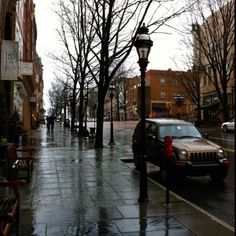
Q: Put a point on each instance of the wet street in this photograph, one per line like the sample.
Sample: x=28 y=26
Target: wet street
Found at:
x=77 y=190
x=218 y=199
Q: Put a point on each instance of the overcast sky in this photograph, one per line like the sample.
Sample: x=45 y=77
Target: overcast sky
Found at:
x=165 y=46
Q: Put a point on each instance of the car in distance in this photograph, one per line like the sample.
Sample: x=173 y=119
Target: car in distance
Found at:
x=106 y=118
x=228 y=126
x=192 y=155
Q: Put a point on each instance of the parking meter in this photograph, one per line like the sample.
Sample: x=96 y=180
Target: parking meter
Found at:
x=168 y=146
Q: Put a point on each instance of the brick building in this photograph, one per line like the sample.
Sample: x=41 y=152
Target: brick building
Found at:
x=214 y=48
x=21 y=82
x=165 y=97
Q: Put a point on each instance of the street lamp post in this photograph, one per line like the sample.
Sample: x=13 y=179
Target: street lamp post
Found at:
x=143 y=44
x=179 y=101
x=111 y=89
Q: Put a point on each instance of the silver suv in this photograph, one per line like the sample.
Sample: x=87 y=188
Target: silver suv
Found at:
x=192 y=154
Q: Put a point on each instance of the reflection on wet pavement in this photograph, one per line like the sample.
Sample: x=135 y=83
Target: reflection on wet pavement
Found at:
x=77 y=190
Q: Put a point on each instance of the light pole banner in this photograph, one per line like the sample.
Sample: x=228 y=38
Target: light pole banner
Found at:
x=9 y=60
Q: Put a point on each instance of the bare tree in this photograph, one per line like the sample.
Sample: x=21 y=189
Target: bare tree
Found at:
x=56 y=99
x=120 y=81
x=94 y=35
x=116 y=24
x=74 y=57
x=213 y=44
x=190 y=79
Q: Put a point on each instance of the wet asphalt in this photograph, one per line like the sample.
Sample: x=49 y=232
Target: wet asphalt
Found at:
x=78 y=190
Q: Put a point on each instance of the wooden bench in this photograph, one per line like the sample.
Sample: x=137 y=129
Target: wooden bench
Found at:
x=18 y=161
x=9 y=205
x=92 y=133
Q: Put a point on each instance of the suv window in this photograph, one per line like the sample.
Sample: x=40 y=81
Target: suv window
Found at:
x=178 y=131
x=151 y=129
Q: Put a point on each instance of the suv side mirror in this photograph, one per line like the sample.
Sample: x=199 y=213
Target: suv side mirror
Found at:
x=205 y=135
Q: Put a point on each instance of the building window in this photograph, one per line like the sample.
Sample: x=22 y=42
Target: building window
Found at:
x=174 y=82
x=163 y=95
x=162 y=82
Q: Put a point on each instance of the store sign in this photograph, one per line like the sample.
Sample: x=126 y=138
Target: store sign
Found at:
x=26 y=68
x=9 y=60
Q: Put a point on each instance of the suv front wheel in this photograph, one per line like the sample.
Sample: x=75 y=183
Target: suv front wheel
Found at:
x=167 y=170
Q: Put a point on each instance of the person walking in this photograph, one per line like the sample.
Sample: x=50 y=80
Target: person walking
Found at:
x=48 y=122
x=52 y=122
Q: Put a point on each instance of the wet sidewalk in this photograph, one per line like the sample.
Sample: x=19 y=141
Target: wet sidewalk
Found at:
x=77 y=190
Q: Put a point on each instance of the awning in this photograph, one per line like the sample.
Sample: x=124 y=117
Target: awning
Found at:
x=208 y=105
x=159 y=106
x=21 y=88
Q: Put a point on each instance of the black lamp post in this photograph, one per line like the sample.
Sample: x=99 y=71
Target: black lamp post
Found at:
x=111 y=89
x=143 y=44
x=179 y=100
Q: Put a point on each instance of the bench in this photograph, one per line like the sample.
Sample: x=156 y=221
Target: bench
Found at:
x=18 y=161
x=9 y=205
x=92 y=133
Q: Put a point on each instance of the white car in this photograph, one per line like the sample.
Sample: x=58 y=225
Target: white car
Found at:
x=228 y=126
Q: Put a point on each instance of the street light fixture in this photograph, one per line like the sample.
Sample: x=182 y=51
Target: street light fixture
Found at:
x=111 y=90
x=179 y=100
x=143 y=44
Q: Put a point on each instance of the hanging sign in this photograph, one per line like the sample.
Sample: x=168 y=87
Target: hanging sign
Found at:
x=9 y=60
x=26 y=68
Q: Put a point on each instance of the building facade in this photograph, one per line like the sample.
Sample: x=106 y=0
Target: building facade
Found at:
x=214 y=54
x=164 y=97
x=21 y=80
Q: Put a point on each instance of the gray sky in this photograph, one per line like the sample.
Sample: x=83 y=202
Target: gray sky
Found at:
x=165 y=46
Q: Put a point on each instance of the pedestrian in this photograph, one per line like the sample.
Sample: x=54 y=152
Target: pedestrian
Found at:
x=48 y=122
x=52 y=122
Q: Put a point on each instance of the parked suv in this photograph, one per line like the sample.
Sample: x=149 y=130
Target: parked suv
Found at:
x=192 y=154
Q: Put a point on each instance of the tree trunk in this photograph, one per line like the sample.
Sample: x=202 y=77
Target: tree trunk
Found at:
x=225 y=108
x=72 y=116
x=100 y=114
x=81 y=114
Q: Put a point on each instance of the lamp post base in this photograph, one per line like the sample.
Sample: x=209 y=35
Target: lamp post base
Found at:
x=112 y=142
x=143 y=185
